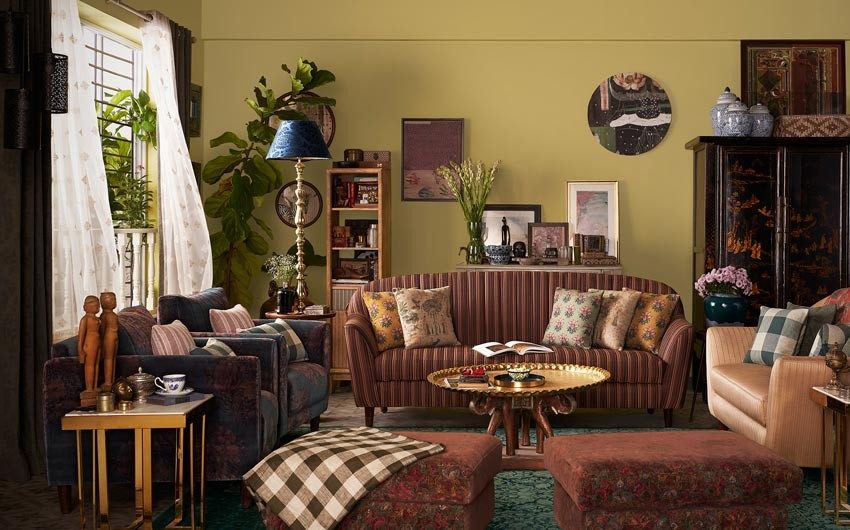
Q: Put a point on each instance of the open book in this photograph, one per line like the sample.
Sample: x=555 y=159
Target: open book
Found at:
x=489 y=349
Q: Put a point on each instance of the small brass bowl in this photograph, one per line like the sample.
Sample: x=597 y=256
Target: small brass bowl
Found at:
x=518 y=373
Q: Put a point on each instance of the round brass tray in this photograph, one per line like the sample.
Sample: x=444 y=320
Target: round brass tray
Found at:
x=531 y=380
x=560 y=378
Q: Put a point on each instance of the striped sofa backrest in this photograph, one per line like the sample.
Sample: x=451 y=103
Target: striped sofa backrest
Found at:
x=507 y=305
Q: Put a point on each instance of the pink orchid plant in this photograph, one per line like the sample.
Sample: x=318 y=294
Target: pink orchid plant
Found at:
x=728 y=280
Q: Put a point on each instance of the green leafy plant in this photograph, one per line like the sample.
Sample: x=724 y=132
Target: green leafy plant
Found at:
x=244 y=177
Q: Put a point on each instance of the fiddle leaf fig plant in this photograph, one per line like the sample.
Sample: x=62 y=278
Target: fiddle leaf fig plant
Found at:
x=245 y=177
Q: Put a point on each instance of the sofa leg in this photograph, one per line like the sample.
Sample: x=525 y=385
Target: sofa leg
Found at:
x=314 y=424
x=64 y=498
x=384 y=410
x=246 y=500
x=668 y=417
x=650 y=411
x=369 y=413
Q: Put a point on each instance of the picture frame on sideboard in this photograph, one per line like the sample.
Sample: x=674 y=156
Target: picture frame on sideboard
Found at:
x=593 y=209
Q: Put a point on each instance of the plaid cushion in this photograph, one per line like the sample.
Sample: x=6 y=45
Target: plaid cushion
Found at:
x=230 y=320
x=828 y=335
x=294 y=348
x=817 y=317
x=779 y=332
x=216 y=348
x=315 y=480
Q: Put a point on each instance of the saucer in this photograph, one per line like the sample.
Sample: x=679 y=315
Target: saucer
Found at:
x=185 y=391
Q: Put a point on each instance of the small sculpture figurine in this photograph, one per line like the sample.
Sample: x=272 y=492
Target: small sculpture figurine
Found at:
x=506 y=232
x=519 y=249
x=88 y=349
x=109 y=336
x=271 y=303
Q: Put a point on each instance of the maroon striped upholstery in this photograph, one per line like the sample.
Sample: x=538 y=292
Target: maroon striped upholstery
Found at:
x=508 y=305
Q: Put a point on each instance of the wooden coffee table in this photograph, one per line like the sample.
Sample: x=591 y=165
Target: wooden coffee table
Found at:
x=504 y=404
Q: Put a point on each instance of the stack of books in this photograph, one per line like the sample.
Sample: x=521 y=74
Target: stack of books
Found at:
x=316 y=310
x=468 y=381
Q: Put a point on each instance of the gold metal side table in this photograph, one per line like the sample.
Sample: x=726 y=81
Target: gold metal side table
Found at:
x=839 y=406
x=142 y=419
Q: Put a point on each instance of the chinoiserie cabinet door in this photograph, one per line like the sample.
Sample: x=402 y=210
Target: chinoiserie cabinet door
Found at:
x=747 y=235
x=813 y=225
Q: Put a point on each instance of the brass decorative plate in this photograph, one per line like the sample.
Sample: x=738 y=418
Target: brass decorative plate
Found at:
x=560 y=378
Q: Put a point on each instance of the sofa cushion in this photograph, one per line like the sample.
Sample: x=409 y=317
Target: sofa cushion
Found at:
x=573 y=316
x=627 y=366
x=383 y=312
x=293 y=347
x=426 y=317
x=230 y=320
x=615 y=315
x=307 y=384
x=826 y=337
x=134 y=331
x=171 y=339
x=650 y=320
x=744 y=386
x=841 y=300
x=779 y=332
x=815 y=320
x=193 y=310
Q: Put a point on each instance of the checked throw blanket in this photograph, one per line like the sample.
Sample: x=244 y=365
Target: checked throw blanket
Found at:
x=312 y=482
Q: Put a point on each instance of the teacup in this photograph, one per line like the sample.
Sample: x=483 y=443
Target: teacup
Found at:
x=171 y=383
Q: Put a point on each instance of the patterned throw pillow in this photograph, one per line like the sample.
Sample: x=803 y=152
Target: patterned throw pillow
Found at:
x=573 y=316
x=294 y=348
x=615 y=315
x=828 y=335
x=778 y=334
x=815 y=320
x=650 y=320
x=230 y=320
x=171 y=339
x=841 y=300
x=383 y=312
x=426 y=317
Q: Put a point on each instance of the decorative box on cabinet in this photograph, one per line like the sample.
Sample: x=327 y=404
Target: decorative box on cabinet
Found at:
x=777 y=207
x=342 y=185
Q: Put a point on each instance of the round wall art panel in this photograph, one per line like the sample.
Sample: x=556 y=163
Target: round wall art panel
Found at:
x=629 y=113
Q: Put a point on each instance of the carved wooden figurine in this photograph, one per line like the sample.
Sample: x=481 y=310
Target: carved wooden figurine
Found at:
x=109 y=336
x=88 y=349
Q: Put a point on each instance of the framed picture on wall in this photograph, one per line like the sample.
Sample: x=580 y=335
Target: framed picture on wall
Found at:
x=517 y=216
x=426 y=144
x=794 y=77
x=547 y=235
x=593 y=209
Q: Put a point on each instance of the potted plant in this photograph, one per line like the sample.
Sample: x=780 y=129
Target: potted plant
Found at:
x=470 y=183
x=724 y=290
x=282 y=268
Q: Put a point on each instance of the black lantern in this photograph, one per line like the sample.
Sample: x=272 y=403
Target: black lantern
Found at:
x=18 y=121
x=54 y=82
x=14 y=41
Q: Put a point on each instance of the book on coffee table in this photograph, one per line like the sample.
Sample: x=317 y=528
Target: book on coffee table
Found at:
x=489 y=349
x=457 y=382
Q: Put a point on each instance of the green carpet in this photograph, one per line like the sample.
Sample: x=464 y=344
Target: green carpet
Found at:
x=523 y=500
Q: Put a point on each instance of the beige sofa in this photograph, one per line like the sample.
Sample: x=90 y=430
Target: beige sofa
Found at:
x=769 y=405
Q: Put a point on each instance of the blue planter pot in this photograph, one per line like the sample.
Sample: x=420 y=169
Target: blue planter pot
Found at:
x=725 y=309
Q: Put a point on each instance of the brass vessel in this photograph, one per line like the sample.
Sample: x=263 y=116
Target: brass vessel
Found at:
x=142 y=384
x=836 y=360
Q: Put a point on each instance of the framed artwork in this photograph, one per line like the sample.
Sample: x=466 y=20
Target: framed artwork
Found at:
x=518 y=217
x=629 y=113
x=353 y=269
x=593 y=209
x=194 y=110
x=426 y=144
x=546 y=235
x=794 y=77
x=285 y=204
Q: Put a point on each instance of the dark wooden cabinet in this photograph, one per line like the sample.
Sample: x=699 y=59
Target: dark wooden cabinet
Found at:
x=777 y=207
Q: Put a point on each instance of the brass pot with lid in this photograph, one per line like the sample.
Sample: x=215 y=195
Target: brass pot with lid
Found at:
x=142 y=384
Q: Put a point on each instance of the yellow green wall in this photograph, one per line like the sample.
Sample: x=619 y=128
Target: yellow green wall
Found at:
x=520 y=74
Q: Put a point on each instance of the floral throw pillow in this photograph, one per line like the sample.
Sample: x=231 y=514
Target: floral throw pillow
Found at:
x=426 y=317
x=615 y=315
x=650 y=320
x=573 y=316
x=383 y=312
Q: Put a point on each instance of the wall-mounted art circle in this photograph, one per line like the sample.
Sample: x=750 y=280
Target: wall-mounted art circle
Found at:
x=285 y=203
x=629 y=113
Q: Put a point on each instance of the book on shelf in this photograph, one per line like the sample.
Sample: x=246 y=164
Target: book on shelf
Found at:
x=346 y=280
x=489 y=349
x=457 y=382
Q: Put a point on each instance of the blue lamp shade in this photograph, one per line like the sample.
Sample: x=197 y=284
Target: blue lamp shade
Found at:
x=298 y=139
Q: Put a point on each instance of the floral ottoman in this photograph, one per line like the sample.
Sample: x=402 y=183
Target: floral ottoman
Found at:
x=691 y=479
x=453 y=489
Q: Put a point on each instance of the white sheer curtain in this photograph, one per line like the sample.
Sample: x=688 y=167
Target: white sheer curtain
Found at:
x=85 y=259
x=187 y=255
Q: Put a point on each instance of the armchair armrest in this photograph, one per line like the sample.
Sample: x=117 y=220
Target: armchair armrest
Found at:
x=727 y=345
x=362 y=349
x=316 y=336
x=266 y=349
x=675 y=350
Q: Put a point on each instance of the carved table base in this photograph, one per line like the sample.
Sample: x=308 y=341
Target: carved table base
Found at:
x=509 y=411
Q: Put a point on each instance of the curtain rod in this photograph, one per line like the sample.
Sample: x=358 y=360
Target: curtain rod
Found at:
x=125 y=7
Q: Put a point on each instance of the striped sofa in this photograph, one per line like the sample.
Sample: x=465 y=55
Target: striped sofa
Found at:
x=513 y=305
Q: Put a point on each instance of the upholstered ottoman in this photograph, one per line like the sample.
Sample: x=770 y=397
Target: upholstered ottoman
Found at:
x=453 y=489
x=692 y=479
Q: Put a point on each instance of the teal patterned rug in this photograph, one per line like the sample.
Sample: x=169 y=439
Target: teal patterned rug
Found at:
x=523 y=500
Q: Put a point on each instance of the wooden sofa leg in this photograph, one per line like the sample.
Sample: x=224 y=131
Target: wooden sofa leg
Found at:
x=384 y=410
x=314 y=424
x=369 y=413
x=668 y=417
x=64 y=498
x=246 y=500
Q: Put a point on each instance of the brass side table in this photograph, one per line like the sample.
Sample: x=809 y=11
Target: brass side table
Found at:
x=839 y=407
x=142 y=419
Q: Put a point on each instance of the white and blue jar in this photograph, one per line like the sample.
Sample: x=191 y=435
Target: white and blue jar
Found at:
x=737 y=120
x=762 y=121
x=718 y=110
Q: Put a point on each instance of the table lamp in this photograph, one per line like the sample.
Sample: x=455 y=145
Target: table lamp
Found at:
x=299 y=140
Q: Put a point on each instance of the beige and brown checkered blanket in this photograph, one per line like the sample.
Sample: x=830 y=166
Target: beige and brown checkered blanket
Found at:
x=312 y=482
